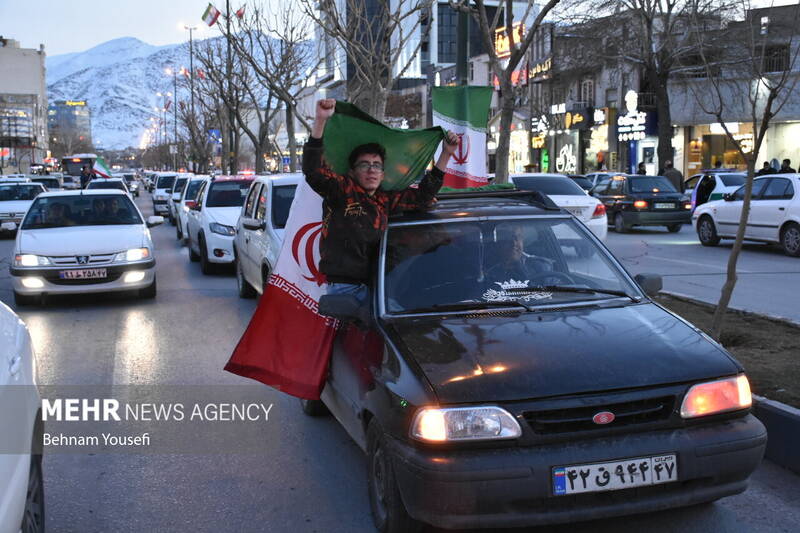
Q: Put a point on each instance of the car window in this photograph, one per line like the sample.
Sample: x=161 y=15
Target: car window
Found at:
x=81 y=210
x=616 y=186
x=691 y=183
x=550 y=185
x=20 y=192
x=102 y=184
x=180 y=183
x=733 y=180
x=192 y=188
x=583 y=183
x=777 y=189
x=601 y=187
x=282 y=197
x=650 y=184
x=227 y=193
x=261 y=205
x=201 y=193
x=249 y=205
x=50 y=183
x=495 y=261
x=758 y=187
x=165 y=182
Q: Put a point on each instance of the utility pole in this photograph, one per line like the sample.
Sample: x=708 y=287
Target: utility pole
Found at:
x=462 y=48
x=231 y=117
x=192 y=123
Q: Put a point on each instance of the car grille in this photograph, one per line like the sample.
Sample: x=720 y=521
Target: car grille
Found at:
x=71 y=260
x=575 y=419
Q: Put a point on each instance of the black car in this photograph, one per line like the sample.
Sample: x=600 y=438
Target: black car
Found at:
x=497 y=378
x=582 y=181
x=634 y=200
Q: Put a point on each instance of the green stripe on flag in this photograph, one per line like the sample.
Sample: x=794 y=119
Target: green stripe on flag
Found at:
x=463 y=105
x=408 y=152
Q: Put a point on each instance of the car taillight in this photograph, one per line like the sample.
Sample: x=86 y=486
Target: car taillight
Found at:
x=599 y=211
x=640 y=204
x=715 y=397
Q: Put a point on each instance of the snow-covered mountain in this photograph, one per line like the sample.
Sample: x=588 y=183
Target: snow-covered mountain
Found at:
x=119 y=79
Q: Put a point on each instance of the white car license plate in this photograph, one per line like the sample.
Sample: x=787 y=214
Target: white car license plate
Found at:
x=615 y=475
x=665 y=206
x=88 y=273
x=576 y=211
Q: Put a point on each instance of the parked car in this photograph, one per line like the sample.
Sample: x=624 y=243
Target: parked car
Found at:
x=634 y=200
x=51 y=183
x=597 y=177
x=21 y=482
x=15 y=199
x=83 y=242
x=774 y=214
x=711 y=186
x=108 y=183
x=162 y=191
x=211 y=223
x=259 y=230
x=567 y=195
x=188 y=197
x=175 y=197
x=483 y=400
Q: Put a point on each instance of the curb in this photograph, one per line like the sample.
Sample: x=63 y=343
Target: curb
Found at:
x=782 y=421
x=783 y=427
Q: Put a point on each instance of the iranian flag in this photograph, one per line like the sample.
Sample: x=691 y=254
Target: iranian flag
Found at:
x=100 y=168
x=211 y=15
x=465 y=112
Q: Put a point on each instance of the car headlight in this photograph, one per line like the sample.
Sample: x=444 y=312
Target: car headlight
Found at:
x=222 y=229
x=134 y=254
x=30 y=260
x=464 y=424
x=714 y=397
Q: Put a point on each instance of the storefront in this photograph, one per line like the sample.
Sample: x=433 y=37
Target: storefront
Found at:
x=597 y=149
x=637 y=137
x=707 y=144
x=518 y=152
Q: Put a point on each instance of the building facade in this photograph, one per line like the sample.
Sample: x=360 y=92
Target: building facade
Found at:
x=23 y=107
x=69 y=124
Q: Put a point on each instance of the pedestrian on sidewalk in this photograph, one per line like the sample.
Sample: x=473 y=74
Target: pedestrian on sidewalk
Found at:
x=641 y=170
x=786 y=167
x=674 y=176
x=765 y=170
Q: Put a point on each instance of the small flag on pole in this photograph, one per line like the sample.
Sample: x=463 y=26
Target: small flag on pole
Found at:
x=184 y=71
x=211 y=15
x=101 y=169
x=166 y=106
x=201 y=74
x=240 y=12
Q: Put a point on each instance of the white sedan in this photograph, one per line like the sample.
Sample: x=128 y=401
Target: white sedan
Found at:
x=21 y=483
x=567 y=195
x=15 y=199
x=774 y=214
x=83 y=242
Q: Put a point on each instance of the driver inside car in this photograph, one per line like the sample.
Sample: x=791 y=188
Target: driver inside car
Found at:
x=512 y=262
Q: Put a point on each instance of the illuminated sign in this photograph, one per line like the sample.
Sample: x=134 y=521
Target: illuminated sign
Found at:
x=600 y=116
x=541 y=69
x=576 y=120
x=502 y=44
x=558 y=109
x=538 y=141
x=72 y=103
x=745 y=141
x=636 y=124
x=567 y=162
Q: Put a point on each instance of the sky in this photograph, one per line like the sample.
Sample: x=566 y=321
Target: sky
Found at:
x=65 y=26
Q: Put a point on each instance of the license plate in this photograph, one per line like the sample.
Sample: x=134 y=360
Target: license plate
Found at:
x=615 y=475
x=665 y=206
x=88 y=273
x=576 y=211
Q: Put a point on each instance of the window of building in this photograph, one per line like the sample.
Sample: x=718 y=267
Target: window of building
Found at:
x=776 y=58
x=587 y=92
x=447 y=26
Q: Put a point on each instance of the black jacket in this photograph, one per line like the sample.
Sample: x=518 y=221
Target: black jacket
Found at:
x=352 y=220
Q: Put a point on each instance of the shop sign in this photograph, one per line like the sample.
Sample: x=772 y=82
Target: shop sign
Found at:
x=75 y=103
x=502 y=45
x=540 y=124
x=541 y=69
x=558 y=109
x=578 y=119
x=745 y=141
x=567 y=162
x=600 y=116
x=538 y=141
x=635 y=125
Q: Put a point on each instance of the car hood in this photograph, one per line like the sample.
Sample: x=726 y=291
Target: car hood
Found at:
x=223 y=215
x=83 y=240
x=482 y=358
x=15 y=206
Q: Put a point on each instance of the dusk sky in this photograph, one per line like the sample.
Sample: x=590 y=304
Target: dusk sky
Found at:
x=76 y=25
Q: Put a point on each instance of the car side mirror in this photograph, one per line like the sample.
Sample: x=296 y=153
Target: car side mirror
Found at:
x=344 y=307
x=728 y=197
x=651 y=284
x=154 y=220
x=253 y=224
x=8 y=226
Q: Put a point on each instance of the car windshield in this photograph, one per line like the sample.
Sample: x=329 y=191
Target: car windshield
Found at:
x=180 y=183
x=583 y=183
x=81 y=210
x=192 y=188
x=103 y=184
x=282 y=197
x=535 y=262
x=129 y=178
x=9 y=193
x=733 y=180
x=549 y=185
x=165 y=182
x=50 y=183
x=650 y=184
x=227 y=193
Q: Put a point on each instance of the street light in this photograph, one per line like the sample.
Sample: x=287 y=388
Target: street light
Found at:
x=191 y=81
x=172 y=72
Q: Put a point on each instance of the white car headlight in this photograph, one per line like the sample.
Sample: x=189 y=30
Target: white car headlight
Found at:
x=134 y=254
x=464 y=424
x=30 y=260
x=222 y=229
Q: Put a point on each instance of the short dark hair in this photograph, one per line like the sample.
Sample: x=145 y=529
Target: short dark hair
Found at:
x=787 y=161
x=369 y=148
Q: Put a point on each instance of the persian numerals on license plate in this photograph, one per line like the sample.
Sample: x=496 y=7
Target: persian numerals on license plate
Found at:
x=665 y=206
x=615 y=475
x=88 y=273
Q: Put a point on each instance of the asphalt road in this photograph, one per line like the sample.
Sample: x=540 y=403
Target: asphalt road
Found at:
x=766 y=276
x=309 y=476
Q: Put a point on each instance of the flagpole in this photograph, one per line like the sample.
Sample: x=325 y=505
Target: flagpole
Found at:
x=191 y=88
x=231 y=118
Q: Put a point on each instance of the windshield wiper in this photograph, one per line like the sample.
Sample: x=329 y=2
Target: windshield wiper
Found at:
x=467 y=306
x=580 y=290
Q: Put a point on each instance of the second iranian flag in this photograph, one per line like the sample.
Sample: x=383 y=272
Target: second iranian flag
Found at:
x=464 y=111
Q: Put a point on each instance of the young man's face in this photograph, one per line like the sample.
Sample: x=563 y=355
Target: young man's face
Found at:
x=366 y=173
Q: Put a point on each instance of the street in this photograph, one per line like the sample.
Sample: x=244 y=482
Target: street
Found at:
x=310 y=476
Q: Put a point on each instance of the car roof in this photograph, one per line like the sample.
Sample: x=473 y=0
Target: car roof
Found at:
x=107 y=179
x=84 y=192
x=537 y=175
x=292 y=178
x=234 y=178
x=479 y=206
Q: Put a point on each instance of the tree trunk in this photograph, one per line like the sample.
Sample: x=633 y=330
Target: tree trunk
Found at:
x=504 y=136
x=290 y=134
x=730 y=280
x=665 y=151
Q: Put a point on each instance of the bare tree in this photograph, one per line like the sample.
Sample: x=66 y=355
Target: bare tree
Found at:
x=381 y=41
x=751 y=74
x=503 y=68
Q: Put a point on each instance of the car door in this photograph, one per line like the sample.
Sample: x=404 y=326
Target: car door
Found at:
x=727 y=212
x=613 y=195
x=769 y=211
x=246 y=236
x=193 y=220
